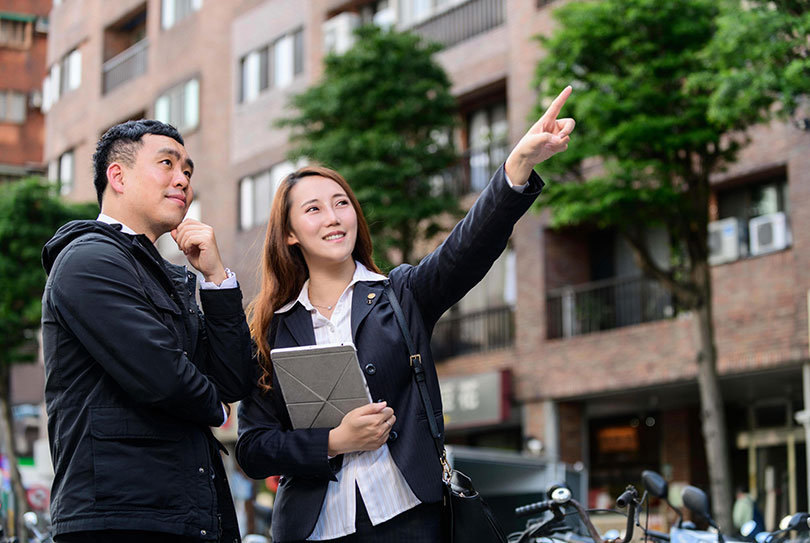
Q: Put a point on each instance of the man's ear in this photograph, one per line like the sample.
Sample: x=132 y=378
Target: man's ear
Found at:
x=115 y=177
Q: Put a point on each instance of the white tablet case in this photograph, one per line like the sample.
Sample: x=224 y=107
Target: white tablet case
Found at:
x=320 y=383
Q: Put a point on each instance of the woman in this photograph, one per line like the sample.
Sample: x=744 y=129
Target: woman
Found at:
x=376 y=476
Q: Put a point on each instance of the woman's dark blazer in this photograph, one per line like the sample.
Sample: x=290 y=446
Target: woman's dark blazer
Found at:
x=267 y=444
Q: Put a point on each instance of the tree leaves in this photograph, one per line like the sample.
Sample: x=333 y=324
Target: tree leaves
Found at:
x=29 y=215
x=759 y=56
x=372 y=118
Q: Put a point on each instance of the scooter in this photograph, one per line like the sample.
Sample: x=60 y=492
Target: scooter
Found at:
x=799 y=522
x=554 y=526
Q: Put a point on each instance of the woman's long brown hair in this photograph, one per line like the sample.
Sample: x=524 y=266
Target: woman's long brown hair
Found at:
x=284 y=269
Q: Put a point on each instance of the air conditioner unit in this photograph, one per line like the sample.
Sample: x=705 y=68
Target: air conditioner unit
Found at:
x=338 y=31
x=768 y=233
x=724 y=241
x=35 y=99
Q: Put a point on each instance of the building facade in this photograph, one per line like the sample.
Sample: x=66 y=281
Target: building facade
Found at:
x=23 y=42
x=564 y=351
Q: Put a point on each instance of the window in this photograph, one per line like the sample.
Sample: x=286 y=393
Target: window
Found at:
x=13 y=107
x=16 y=30
x=283 y=62
x=62 y=172
x=765 y=197
x=415 y=11
x=484 y=319
x=487 y=142
x=255 y=73
x=256 y=194
x=275 y=65
x=174 y=11
x=380 y=13
x=71 y=71
x=180 y=106
x=64 y=76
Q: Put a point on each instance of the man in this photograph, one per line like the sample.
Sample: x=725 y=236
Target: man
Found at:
x=135 y=374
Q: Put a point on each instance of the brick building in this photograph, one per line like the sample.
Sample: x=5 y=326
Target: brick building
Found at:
x=563 y=350
x=23 y=42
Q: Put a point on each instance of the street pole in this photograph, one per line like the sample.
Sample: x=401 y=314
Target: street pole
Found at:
x=803 y=416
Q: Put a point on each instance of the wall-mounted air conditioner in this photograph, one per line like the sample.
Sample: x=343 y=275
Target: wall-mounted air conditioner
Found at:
x=338 y=31
x=724 y=241
x=768 y=233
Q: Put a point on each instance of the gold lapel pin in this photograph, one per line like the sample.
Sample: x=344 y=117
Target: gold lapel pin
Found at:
x=370 y=297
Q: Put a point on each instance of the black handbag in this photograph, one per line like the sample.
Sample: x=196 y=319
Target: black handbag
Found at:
x=466 y=516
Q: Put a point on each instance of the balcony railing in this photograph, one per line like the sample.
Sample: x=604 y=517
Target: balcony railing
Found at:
x=608 y=304
x=481 y=331
x=124 y=66
x=474 y=169
x=461 y=22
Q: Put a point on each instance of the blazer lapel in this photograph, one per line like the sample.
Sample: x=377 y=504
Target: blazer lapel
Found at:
x=366 y=296
x=299 y=322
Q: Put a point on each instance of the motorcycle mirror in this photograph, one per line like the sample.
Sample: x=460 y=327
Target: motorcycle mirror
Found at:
x=762 y=537
x=655 y=484
x=30 y=519
x=748 y=528
x=696 y=501
x=798 y=522
x=613 y=533
x=561 y=495
x=553 y=487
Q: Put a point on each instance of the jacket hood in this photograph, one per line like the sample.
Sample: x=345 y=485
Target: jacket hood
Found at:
x=69 y=232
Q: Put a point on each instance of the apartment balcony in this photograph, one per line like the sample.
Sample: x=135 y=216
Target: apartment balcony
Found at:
x=461 y=22
x=605 y=305
x=124 y=66
x=474 y=169
x=481 y=331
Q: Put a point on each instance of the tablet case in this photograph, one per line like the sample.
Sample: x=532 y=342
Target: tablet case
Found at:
x=319 y=383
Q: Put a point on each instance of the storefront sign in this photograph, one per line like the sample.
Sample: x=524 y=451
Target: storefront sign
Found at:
x=475 y=400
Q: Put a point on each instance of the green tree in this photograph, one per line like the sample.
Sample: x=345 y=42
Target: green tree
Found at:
x=649 y=147
x=29 y=215
x=760 y=57
x=381 y=116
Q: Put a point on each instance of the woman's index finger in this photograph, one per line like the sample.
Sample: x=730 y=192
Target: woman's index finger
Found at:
x=556 y=106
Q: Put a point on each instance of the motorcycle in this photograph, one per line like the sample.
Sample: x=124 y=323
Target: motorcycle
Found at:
x=553 y=524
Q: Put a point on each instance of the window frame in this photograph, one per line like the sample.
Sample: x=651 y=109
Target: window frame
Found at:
x=173 y=12
x=172 y=105
x=262 y=69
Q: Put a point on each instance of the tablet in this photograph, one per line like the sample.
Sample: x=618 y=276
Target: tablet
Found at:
x=319 y=383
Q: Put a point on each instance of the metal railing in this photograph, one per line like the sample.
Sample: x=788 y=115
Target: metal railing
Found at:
x=461 y=22
x=480 y=331
x=607 y=304
x=474 y=169
x=124 y=66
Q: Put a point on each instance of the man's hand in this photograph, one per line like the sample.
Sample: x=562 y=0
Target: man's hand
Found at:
x=198 y=243
x=365 y=428
x=545 y=139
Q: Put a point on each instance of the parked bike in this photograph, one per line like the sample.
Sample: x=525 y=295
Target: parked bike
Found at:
x=36 y=532
x=553 y=524
x=799 y=522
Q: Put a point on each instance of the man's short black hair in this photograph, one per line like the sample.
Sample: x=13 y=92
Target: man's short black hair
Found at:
x=121 y=143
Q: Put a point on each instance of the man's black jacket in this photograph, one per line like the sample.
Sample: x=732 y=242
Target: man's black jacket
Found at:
x=134 y=378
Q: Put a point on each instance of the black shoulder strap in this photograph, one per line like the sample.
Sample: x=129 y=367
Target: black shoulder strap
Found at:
x=418 y=370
